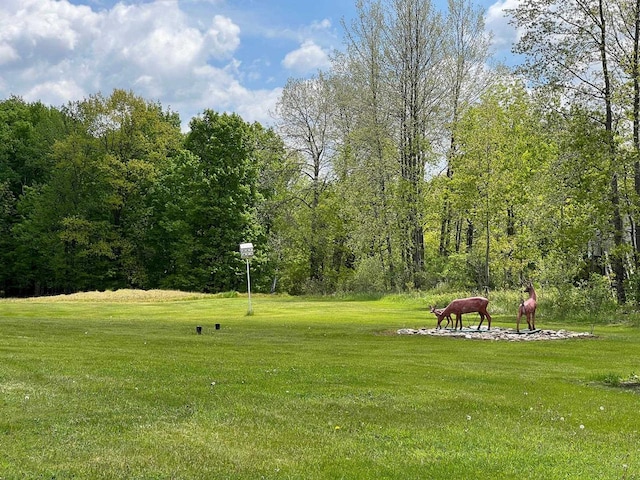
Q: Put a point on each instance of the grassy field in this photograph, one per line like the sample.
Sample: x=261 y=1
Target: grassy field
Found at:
x=119 y=385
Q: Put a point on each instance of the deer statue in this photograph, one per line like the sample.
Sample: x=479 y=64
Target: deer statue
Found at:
x=464 y=305
x=438 y=312
x=528 y=308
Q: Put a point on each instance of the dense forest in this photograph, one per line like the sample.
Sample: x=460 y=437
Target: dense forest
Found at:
x=414 y=162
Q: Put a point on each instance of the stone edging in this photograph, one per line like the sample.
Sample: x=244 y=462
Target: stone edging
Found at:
x=497 y=333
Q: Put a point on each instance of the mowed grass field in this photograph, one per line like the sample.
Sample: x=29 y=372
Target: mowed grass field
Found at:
x=119 y=385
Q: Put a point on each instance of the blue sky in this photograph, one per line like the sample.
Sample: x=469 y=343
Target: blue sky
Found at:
x=227 y=55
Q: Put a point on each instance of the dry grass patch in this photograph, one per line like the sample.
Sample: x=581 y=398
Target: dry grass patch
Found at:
x=122 y=296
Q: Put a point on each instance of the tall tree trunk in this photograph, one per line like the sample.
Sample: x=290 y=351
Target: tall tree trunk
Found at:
x=487 y=219
x=617 y=261
x=470 y=234
x=467 y=47
x=445 y=225
x=414 y=62
x=635 y=74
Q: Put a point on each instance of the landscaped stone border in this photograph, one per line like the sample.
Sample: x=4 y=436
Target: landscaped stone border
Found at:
x=497 y=333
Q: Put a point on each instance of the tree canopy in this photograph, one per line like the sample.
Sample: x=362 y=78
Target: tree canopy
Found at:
x=412 y=162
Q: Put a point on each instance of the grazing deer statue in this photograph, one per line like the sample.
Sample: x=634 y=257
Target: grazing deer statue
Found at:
x=528 y=308
x=438 y=312
x=464 y=305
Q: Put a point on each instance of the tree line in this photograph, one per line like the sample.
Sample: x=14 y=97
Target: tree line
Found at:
x=108 y=193
x=450 y=171
x=411 y=163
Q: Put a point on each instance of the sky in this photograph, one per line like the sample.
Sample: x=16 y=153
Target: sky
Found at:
x=189 y=55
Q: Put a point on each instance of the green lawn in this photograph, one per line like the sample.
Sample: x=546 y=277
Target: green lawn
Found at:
x=102 y=387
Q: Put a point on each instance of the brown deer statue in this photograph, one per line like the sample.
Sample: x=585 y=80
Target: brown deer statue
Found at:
x=528 y=308
x=464 y=305
x=438 y=312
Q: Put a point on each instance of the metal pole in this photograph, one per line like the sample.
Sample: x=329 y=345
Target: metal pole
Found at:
x=250 y=312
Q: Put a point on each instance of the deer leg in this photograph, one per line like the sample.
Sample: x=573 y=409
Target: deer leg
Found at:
x=482 y=317
x=533 y=320
x=458 y=319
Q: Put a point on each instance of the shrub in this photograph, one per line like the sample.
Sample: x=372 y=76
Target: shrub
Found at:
x=586 y=300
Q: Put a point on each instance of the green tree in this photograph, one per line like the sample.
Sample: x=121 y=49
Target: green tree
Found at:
x=577 y=222
x=65 y=226
x=408 y=74
x=496 y=187
x=85 y=228
x=277 y=171
x=367 y=168
x=414 y=58
x=211 y=196
x=466 y=75
x=306 y=122
x=27 y=134
x=568 y=47
x=394 y=67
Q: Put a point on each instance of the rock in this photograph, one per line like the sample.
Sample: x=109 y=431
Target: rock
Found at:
x=497 y=333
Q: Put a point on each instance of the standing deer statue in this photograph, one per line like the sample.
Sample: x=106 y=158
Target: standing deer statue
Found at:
x=464 y=305
x=528 y=308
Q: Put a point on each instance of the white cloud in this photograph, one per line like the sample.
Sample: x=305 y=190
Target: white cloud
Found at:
x=7 y=54
x=308 y=58
x=220 y=90
x=43 y=30
x=321 y=25
x=157 y=39
x=54 y=51
x=55 y=92
x=223 y=36
x=260 y=104
x=497 y=21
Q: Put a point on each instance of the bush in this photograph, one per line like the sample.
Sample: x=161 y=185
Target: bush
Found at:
x=586 y=300
x=369 y=277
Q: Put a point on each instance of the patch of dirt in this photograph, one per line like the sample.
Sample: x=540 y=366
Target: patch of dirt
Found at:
x=635 y=386
x=631 y=383
x=497 y=333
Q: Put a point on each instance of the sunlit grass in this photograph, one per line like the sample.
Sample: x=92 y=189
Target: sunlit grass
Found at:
x=100 y=387
x=120 y=296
